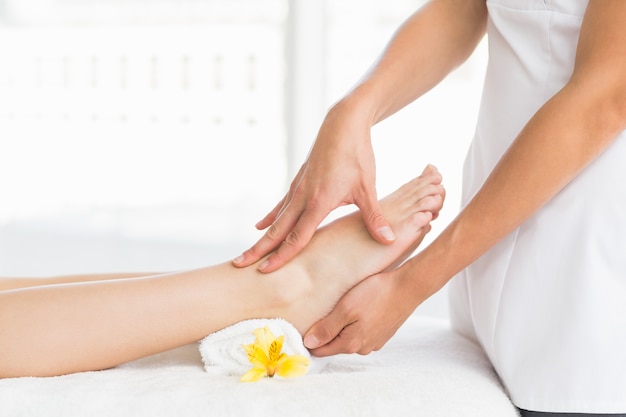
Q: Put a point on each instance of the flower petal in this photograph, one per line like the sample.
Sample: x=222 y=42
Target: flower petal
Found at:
x=264 y=338
x=253 y=374
x=249 y=349
x=257 y=356
x=273 y=353
x=291 y=366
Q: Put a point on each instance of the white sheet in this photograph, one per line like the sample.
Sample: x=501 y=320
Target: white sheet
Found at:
x=425 y=370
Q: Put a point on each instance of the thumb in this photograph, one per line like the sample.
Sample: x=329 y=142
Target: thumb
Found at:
x=325 y=330
x=375 y=221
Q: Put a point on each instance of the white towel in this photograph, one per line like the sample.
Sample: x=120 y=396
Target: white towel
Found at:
x=223 y=354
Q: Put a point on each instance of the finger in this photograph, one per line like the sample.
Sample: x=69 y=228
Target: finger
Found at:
x=275 y=213
x=272 y=238
x=271 y=216
x=345 y=342
x=295 y=240
x=326 y=329
x=375 y=221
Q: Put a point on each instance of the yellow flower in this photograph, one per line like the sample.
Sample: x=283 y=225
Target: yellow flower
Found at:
x=267 y=359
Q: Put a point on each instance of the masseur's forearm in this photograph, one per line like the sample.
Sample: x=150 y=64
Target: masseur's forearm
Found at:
x=553 y=148
x=562 y=138
x=430 y=44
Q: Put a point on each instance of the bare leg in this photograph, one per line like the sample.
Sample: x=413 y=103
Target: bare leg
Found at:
x=22 y=282
x=64 y=328
x=342 y=254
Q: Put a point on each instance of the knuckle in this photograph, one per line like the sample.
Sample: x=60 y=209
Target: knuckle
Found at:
x=273 y=232
x=365 y=351
x=315 y=203
x=350 y=309
x=325 y=334
x=375 y=216
x=352 y=343
x=299 y=192
x=353 y=346
x=294 y=240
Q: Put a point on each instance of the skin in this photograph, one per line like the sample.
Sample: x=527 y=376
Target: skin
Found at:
x=340 y=167
x=77 y=323
x=584 y=117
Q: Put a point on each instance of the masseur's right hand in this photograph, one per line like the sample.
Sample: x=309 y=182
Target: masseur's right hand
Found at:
x=339 y=170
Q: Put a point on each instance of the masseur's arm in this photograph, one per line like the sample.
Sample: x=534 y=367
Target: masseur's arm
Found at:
x=340 y=167
x=562 y=138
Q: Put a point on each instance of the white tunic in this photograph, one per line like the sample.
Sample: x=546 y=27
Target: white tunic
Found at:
x=548 y=303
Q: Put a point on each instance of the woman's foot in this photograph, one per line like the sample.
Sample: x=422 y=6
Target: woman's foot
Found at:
x=342 y=254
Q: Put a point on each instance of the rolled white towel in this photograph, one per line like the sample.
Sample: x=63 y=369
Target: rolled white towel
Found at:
x=222 y=352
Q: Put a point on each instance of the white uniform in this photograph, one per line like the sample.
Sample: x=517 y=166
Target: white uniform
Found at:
x=548 y=303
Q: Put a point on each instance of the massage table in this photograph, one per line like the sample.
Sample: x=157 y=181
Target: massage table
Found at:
x=424 y=370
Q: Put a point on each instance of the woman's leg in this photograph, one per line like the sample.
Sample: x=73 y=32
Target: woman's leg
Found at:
x=22 y=282
x=64 y=328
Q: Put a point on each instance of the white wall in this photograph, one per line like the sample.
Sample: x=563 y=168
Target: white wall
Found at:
x=152 y=135
x=141 y=122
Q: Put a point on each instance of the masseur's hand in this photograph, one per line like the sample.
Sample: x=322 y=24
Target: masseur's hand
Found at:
x=338 y=171
x=365 y=318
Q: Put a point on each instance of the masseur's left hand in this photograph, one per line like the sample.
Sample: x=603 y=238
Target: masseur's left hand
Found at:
x=365 y=318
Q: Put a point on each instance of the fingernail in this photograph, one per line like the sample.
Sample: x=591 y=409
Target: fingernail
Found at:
x=264 y=265
x=387 y=233
x=311 y=341
x=238 y=259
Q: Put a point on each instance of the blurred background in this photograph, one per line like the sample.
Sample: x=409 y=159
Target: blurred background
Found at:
x=151 y=135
